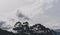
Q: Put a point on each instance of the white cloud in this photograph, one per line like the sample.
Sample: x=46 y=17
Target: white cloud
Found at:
x=37 y=10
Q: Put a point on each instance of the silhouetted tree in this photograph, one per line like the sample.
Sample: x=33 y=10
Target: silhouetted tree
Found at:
x=26 y=28
x=18 y=27
x=36 y=29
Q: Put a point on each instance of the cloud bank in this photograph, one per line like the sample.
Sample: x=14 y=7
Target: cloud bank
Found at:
x=45 y=12
x=41 y=11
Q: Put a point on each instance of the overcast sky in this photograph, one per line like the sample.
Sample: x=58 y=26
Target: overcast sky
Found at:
x=46 y=12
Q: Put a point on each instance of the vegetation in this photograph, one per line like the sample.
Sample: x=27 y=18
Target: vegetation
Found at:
x=25 y=29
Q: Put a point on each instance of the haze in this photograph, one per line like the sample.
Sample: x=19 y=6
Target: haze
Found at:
x=45 y=12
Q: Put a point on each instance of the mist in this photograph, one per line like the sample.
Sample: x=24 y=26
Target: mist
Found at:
x=34 y=11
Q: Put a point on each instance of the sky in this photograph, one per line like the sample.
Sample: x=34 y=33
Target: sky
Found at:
x=45 y=12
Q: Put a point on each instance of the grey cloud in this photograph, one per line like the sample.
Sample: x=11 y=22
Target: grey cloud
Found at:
x=1 y=23
x=45 y=18
x=20 y=15
x=7 y=27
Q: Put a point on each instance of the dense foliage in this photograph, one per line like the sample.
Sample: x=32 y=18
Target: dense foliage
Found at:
x=25 y=29
x=37 y=29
